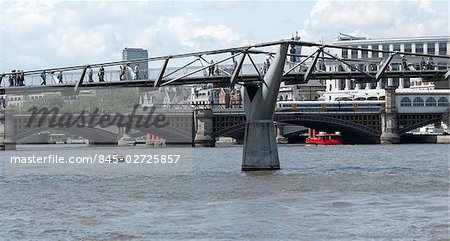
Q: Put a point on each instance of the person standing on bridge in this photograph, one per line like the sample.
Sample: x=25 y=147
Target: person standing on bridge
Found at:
x=422 y=64
x=101 y=74
x=211 y=68
x=21 y=78
x=266 y=66
x=404 y=63
x=10 y=79
x=60 y=77
x=122 y=72
x=136 y=72
x=15 y=77
x=430 y=63
x=44 y=78
x=90 y=75
x=216 y=69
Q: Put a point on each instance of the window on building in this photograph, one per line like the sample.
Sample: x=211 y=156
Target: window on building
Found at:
x=442 y=65
x=418 y=102
x=443 y=101
x=354 y=53
x=407 y=48
x=345 y=54
x=406 y=83
x=342 y=84
x=430 y=101
x=385 y=48
x=375 y=54
x=442 y=48
x=364 y=53
x=397 y=47
x=396 y=66
x=405 y=101
x=384 y=83
x=430 y=48
x=419 y=48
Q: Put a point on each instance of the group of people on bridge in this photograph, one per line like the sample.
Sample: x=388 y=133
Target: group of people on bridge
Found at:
x=16 y=78
x=427 y=65
x=59 y=77
x=100 y=74
x=126 y=70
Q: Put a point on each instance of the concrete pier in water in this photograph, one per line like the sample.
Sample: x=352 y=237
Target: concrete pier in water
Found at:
x=260 y=147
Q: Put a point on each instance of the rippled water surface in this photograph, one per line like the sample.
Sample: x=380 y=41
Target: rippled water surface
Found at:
x=368 y=192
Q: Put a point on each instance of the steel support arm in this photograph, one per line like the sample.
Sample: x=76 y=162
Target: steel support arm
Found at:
x=80 y=81
x=161 y=73
x=313 y=64
x=384 y=66
x=238 y=68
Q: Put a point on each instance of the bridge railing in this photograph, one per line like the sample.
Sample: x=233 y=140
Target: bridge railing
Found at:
x=113 y=74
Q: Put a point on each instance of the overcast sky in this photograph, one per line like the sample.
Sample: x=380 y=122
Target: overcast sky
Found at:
x=46 y=34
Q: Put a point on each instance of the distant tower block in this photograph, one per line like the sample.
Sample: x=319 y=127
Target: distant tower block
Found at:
x=137 y=53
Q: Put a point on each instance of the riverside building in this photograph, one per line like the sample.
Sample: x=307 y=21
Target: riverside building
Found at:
x=369 y=60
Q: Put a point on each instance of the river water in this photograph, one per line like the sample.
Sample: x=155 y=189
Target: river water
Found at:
x=351 y=192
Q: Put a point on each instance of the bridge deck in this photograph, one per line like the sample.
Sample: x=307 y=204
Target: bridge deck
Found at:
x=224 y=80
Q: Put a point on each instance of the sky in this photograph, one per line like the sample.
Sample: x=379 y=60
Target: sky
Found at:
x=47 y=34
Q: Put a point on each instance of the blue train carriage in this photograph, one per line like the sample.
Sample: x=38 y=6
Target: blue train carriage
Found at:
x=317 y=106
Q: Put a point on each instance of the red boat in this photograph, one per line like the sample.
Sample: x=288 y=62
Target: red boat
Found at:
x=323 y=138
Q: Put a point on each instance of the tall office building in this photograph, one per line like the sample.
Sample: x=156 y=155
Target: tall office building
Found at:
x=349 y=90
x=137 y=53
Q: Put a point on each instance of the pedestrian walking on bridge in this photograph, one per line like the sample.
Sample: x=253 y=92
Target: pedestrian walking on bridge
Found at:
x=44 y=78
x=101 y=74
x=60 y=77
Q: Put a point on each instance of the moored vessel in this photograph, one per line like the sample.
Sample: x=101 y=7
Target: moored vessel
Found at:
x=323 y=138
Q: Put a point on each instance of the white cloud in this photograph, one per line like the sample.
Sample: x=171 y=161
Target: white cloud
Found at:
x=375 y=19
x=66 y=33
x=187 y=33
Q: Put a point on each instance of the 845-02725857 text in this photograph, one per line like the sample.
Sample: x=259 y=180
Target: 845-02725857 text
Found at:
x=141 y=159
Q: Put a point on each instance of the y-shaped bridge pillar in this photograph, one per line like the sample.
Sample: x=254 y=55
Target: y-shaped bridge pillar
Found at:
x=260 y=147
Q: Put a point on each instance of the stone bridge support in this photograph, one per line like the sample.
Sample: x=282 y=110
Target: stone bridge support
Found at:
x=281 y=139
x=6 y=133
x=260 y=147
x=389 y=129
x=204 y=132
x=123 y=137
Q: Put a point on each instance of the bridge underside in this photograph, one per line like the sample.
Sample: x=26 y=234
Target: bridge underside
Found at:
x=354 y=129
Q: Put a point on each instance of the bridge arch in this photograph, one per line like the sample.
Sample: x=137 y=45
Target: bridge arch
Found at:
x=169 y=133
x=329 y=124
x=96 y=134
x=310 y=121
x=421 y=124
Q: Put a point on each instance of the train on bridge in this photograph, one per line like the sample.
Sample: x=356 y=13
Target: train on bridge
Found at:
x=320 y=106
